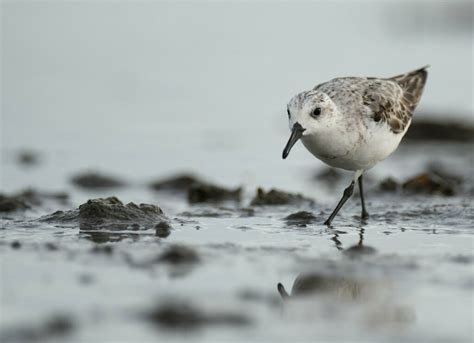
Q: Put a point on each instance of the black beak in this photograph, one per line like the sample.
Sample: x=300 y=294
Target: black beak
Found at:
x=296 y=133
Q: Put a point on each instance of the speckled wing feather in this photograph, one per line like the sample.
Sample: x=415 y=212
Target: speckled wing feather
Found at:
x=390 y=101
x=393 y=100
x=384 y=98
x=412 y=84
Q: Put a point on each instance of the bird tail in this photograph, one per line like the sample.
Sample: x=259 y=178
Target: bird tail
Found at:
x=412 y=84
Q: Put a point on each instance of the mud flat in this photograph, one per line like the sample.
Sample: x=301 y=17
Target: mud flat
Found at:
x=201 y=261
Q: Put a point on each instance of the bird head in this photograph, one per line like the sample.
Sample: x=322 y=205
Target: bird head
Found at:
x=309 y=113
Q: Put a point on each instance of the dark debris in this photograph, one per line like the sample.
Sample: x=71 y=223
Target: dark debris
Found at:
x=179 y=254
x=178 y=183
x=208 y=193
x=162 y=229
x=301 y=218
x=95 y=180
x=277 y=197
x=178 y=316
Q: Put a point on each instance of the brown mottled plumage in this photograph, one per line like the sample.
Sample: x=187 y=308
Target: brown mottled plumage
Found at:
x=389 y=101
x=395 y=104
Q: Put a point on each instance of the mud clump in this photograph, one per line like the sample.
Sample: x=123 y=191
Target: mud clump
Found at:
x=27 y=158
x=54 y=328
x=441 y=172
x=15 y=245
x=93 y=180
x=36 y=198
x=162 y=229
x=429 y=183
x=277 y=197
x=435 y=180
x=109 y=213
x=11 y=203
x=61 y=217
x=208 y=193
x=179 y=183
x=178 y=255
x=389 y=184
x=112 y=212
x=431 y=130
x=198 y=191
x=178 y=316
x=28 y=199
x=301 y=218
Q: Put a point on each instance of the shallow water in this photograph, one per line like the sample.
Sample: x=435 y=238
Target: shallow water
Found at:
x=140 y=109
x=394 y=277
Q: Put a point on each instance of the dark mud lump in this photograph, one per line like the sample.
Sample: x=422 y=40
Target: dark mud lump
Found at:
x=109 y=213
x=429 y=183
x=276 y=197
x=203 y=192
x=301 y=218
x=93 y=180
x=180 y=182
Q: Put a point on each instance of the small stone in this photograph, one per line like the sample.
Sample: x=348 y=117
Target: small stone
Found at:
x=162 y=229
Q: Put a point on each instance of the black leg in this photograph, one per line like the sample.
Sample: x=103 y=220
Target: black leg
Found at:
x=347 y=194
x=365 y=215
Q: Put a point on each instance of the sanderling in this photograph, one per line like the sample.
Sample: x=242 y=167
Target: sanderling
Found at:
x=354 y=122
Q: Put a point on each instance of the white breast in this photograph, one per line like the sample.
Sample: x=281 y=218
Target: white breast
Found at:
x=362 y=147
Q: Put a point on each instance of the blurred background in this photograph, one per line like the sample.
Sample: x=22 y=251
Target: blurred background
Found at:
x=142 y=90
x=149 y=88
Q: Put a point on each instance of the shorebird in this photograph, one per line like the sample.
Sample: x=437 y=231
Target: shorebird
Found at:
x=353 y=123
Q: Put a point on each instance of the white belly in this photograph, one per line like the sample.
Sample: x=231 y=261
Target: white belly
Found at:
x=361 y=149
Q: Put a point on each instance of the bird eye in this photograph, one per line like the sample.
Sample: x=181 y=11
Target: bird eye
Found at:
x=316 y=112
x=288 y=111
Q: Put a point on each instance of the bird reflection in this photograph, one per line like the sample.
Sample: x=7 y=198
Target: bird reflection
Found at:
x=342 y=289
x=355 y=250
x=316 y=283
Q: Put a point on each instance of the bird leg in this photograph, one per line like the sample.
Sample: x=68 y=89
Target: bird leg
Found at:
x=346 y=195
x=364 y=215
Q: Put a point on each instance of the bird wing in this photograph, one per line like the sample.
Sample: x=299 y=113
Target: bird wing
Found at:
x=390 y=101
x=393 y=100
x=386 y=103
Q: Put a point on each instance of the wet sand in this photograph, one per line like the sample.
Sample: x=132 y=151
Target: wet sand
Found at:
x=244 y=262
